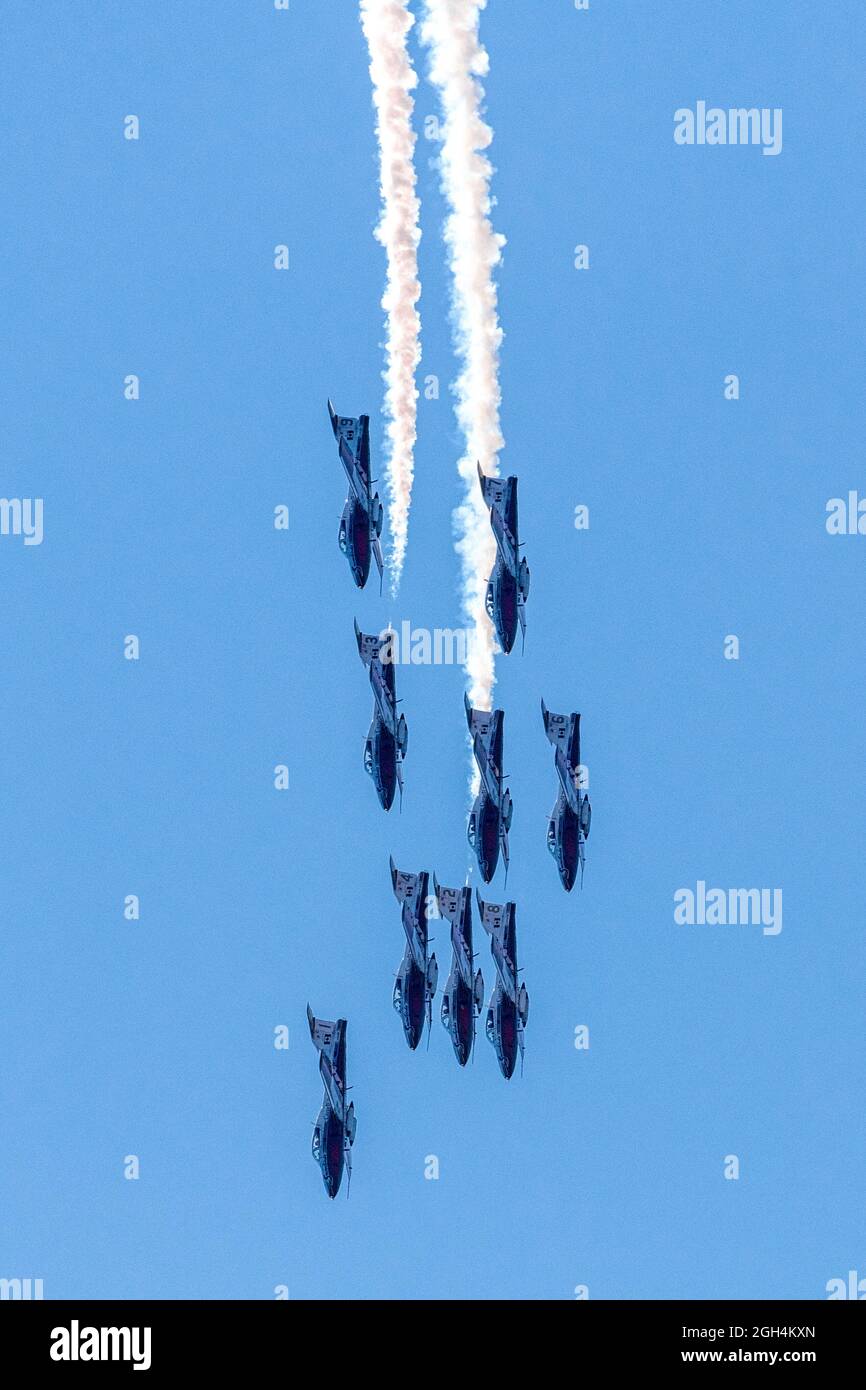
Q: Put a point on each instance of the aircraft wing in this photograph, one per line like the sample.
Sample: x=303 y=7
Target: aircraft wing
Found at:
x=411 y=890
x=348 y=431
x=493 y=915
x=563 y=730
x=377 y=653
x=492 y=490
x=449 y=901
x=405 y=885
x=487 y=768
x=352 y=433
x=480 y=721
x=500 y=495
x=326 y=1035
x=330 y=1040
x=369 y=647
x=557 y=727
x=385 y=697
x=498 y=920
x=487 y=728
x=506 y=540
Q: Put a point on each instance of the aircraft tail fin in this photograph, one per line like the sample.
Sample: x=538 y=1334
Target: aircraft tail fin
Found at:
x=326 y=1035
x=492 y=489
x=369 y=645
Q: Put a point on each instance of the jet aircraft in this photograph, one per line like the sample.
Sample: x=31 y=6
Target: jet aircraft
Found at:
x=508 y=1009
x=464 y=994
x=334 y=1130
x=490 y=817
x=568 y=825
x=508 y=586
x=388 y=738
x=418 y=974
x=361 y=522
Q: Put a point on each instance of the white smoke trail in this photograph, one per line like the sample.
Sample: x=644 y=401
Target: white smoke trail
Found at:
x=386 y=25
x=457 y=61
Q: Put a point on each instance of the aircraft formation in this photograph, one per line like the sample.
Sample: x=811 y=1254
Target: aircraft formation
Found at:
x=489 y=823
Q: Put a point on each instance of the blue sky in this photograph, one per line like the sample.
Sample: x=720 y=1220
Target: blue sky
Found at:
x=603 y=1167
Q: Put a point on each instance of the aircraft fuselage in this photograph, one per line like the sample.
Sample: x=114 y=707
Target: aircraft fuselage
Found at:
x=484 y=834
x=410 y=1001
x=380 y=759
x=503 y=594
x=329 y=1149
x=502 y=1029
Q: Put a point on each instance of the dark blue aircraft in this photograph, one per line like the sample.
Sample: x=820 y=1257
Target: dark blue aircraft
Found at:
x=464 y=994
x=508 y=587
x=508 y=1009
x=490 y=817
x=334 y=1130
x=388 y=738
x=568 y=825
x=361 y=522
x=418 y=974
